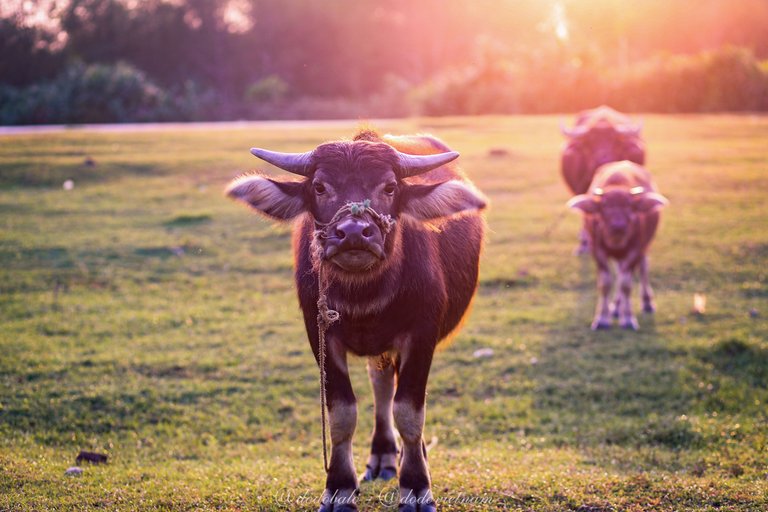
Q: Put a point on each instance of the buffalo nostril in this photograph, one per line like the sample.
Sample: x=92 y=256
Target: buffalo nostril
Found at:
x=340 y=234
x=367 y=232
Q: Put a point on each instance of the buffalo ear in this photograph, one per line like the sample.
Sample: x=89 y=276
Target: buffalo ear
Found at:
x=429 y=202
x=280 y=200
x=649 y=202
x=584 y=202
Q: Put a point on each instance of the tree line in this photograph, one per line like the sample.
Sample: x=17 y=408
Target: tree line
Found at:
x=157 y=60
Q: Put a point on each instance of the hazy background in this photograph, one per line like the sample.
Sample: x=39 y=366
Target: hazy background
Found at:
x=70 y=61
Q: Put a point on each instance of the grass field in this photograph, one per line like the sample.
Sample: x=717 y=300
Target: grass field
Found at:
x=145 y=316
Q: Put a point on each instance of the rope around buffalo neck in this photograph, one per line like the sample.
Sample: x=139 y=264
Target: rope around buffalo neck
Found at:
x=325 y=315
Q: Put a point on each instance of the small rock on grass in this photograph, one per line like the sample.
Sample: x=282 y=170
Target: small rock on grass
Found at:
x=483 y=352
x=74 y=471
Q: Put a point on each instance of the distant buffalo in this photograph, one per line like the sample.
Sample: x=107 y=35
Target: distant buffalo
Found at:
x=387 y=233
x=601 y=135
x=621 y=214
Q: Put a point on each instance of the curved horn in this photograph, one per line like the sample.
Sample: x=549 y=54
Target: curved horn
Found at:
x=297 y=163
x=572 y=132
x=631 y=129
x=413 y=165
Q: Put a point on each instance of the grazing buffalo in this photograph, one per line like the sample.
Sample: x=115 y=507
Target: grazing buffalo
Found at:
x=392 y=233
x=621 y=213
x=601 y=135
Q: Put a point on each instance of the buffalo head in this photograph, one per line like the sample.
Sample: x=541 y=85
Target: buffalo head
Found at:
x=355 y=191
x=604 y=141
x=617 y=210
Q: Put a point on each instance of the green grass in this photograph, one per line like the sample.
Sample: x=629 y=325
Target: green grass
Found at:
x=145 y=316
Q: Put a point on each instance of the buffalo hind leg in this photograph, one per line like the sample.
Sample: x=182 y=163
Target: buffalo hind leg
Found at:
x=341 y=490
x=645 y=286
x=382 y=462
x=409 y=413
x=583 y=247
x=603 y=318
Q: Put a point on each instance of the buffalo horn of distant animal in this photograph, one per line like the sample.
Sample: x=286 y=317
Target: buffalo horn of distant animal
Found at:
x=572 y=132
x=631 y=130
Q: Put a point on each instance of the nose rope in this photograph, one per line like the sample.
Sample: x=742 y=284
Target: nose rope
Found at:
x=325 y=315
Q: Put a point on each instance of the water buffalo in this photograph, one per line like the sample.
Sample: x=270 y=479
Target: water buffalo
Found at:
x=621 y=213
x=396 y=231
x=601 y=135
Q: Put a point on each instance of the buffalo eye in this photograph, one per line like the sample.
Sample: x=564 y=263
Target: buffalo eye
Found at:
x=319 y=188
x=390 y=188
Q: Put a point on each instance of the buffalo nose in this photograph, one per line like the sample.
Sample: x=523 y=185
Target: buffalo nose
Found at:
x=351 y=230
x=617 y=225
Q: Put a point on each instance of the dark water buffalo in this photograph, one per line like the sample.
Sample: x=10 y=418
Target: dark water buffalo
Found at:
x=621 y=213
x=400 y=287
x=601 y=135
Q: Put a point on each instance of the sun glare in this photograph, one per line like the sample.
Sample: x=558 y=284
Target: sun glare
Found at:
x=561 y=26
x=236 y=17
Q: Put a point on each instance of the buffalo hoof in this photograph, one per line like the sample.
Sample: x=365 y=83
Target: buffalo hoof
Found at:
x=332 y=503
x=599 y=325
x=384 y=473
x=417 y=507
x=369 y=475
x=630 y=325
x=330 y=507
x=387 y=473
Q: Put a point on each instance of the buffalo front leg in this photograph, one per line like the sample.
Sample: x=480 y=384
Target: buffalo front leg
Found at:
x=627 y=318
x=645 y=287
x=617 y=300
x=382 y=462
x=409 y=413
x=603 y=318
x=341 y=482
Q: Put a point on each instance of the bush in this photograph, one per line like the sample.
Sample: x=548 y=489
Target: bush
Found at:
x=95 y=93
x=729 y=79
x=268 y=89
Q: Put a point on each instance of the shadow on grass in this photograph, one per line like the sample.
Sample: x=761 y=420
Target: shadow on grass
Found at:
x=23 y=258
x=75 y=412
x=33 y=174
x=612 y=387
x=186 y=220
x=738 y=358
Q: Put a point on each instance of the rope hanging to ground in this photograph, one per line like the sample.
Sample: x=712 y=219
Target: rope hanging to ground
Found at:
x=325 y=315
